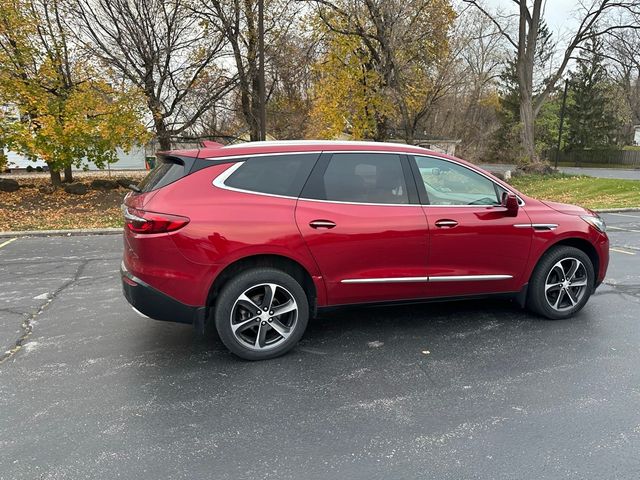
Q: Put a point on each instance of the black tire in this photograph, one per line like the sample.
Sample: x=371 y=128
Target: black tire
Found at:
x=537 y=298
x=231 y=311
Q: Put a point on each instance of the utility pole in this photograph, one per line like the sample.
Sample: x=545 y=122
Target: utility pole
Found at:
x=261 y=87
x=564 y=103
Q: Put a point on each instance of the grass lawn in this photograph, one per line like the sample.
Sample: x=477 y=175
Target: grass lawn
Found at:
x=590 y=192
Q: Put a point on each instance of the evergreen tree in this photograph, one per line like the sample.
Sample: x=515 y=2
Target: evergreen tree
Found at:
x=590 y=116
x=506 y=141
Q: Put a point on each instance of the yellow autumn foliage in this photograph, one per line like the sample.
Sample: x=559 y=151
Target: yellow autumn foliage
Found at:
x=57 y=105
x=358 y=89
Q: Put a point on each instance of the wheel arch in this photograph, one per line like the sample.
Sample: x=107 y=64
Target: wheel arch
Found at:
x=279 y=262
x=580 y=244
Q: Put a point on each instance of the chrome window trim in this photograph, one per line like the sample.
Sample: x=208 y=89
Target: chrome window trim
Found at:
x=339 y=202
x=435 y=278
x=220 y=179
x=521 y=202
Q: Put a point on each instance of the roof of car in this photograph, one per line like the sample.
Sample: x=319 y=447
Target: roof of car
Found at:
x=256 y=148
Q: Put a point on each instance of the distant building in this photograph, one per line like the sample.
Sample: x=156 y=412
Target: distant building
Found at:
x=431 y=142
x=132 y=160
x=636 y=136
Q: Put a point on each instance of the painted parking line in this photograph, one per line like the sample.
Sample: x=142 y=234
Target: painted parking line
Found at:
x=4 y=244
x=623 y=229
x=621 y=251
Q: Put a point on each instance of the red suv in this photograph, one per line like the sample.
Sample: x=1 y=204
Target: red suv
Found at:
x=257 y=237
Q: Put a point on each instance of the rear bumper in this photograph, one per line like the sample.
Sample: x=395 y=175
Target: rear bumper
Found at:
x=156 y=305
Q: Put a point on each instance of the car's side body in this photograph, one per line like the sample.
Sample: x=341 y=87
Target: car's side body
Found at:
x=367 y=252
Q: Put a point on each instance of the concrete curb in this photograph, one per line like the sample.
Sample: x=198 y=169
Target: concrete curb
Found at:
x=615 y=210
x=60 y=233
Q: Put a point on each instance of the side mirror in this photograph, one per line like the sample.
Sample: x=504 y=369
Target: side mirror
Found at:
x=510 y=202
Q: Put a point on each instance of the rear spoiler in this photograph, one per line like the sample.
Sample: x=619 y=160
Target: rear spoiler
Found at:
x=210 y=144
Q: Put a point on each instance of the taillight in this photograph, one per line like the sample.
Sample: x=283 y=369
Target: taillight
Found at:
x=140 y=221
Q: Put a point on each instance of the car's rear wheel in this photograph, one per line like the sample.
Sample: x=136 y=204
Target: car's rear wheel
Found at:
x=261 y=313
x=561 y=283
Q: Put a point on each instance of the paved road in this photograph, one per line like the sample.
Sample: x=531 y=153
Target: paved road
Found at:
x=625 y=174
x=444 y=391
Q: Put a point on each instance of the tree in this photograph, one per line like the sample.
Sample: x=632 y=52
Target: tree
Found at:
x=348 y=94
x=467 y=103
x=291 y=56
x=506 y=146
x=59 y=108
x=392 y=47
x=160 y=48
x=622 y=51
x=529 y=19
x=237 y=22
x=590 y=116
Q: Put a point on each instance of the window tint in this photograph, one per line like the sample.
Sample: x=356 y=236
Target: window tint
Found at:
x=448 y=183
x=167 y=170
x=277 y=175
x=363 y=178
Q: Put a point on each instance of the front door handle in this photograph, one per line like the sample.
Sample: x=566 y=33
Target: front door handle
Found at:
x=322 y=224
x=446 y=223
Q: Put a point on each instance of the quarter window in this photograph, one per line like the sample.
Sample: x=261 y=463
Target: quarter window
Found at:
x=363 y=178
x=448 y=183
x=277 y=175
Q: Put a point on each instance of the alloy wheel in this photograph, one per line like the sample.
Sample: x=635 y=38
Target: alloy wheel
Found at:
x=264 y=316
x=566 y=284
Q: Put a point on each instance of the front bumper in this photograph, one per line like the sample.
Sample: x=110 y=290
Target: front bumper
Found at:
x=156 y=305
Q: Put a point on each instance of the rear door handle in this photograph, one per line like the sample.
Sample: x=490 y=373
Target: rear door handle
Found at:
x=322 y=224
x=446 y=223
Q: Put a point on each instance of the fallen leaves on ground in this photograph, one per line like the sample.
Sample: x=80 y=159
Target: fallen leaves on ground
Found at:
x=29 y=209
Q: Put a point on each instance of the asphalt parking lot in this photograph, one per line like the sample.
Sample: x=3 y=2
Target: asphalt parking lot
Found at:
x=620 y=173
x=444 y=391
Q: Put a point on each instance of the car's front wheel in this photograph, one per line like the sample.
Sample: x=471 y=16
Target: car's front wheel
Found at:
x=261 y=313
x=561 y=283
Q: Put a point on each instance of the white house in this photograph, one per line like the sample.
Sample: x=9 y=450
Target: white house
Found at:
x=132 y=160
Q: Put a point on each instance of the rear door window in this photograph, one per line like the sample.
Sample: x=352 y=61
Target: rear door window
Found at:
x=276 y=175
x=362 y=178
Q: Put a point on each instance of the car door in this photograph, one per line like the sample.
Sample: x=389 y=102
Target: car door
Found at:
x=475 y=247
x=360 y=216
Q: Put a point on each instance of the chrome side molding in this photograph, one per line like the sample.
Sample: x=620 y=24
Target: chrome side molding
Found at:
x=386 y=280
x=468 y=278
x=439 y=278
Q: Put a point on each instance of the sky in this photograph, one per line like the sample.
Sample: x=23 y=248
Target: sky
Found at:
x=562 y=17
x=559 y=14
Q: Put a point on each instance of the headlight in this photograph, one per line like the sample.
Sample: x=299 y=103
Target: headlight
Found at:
x=595 y=221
